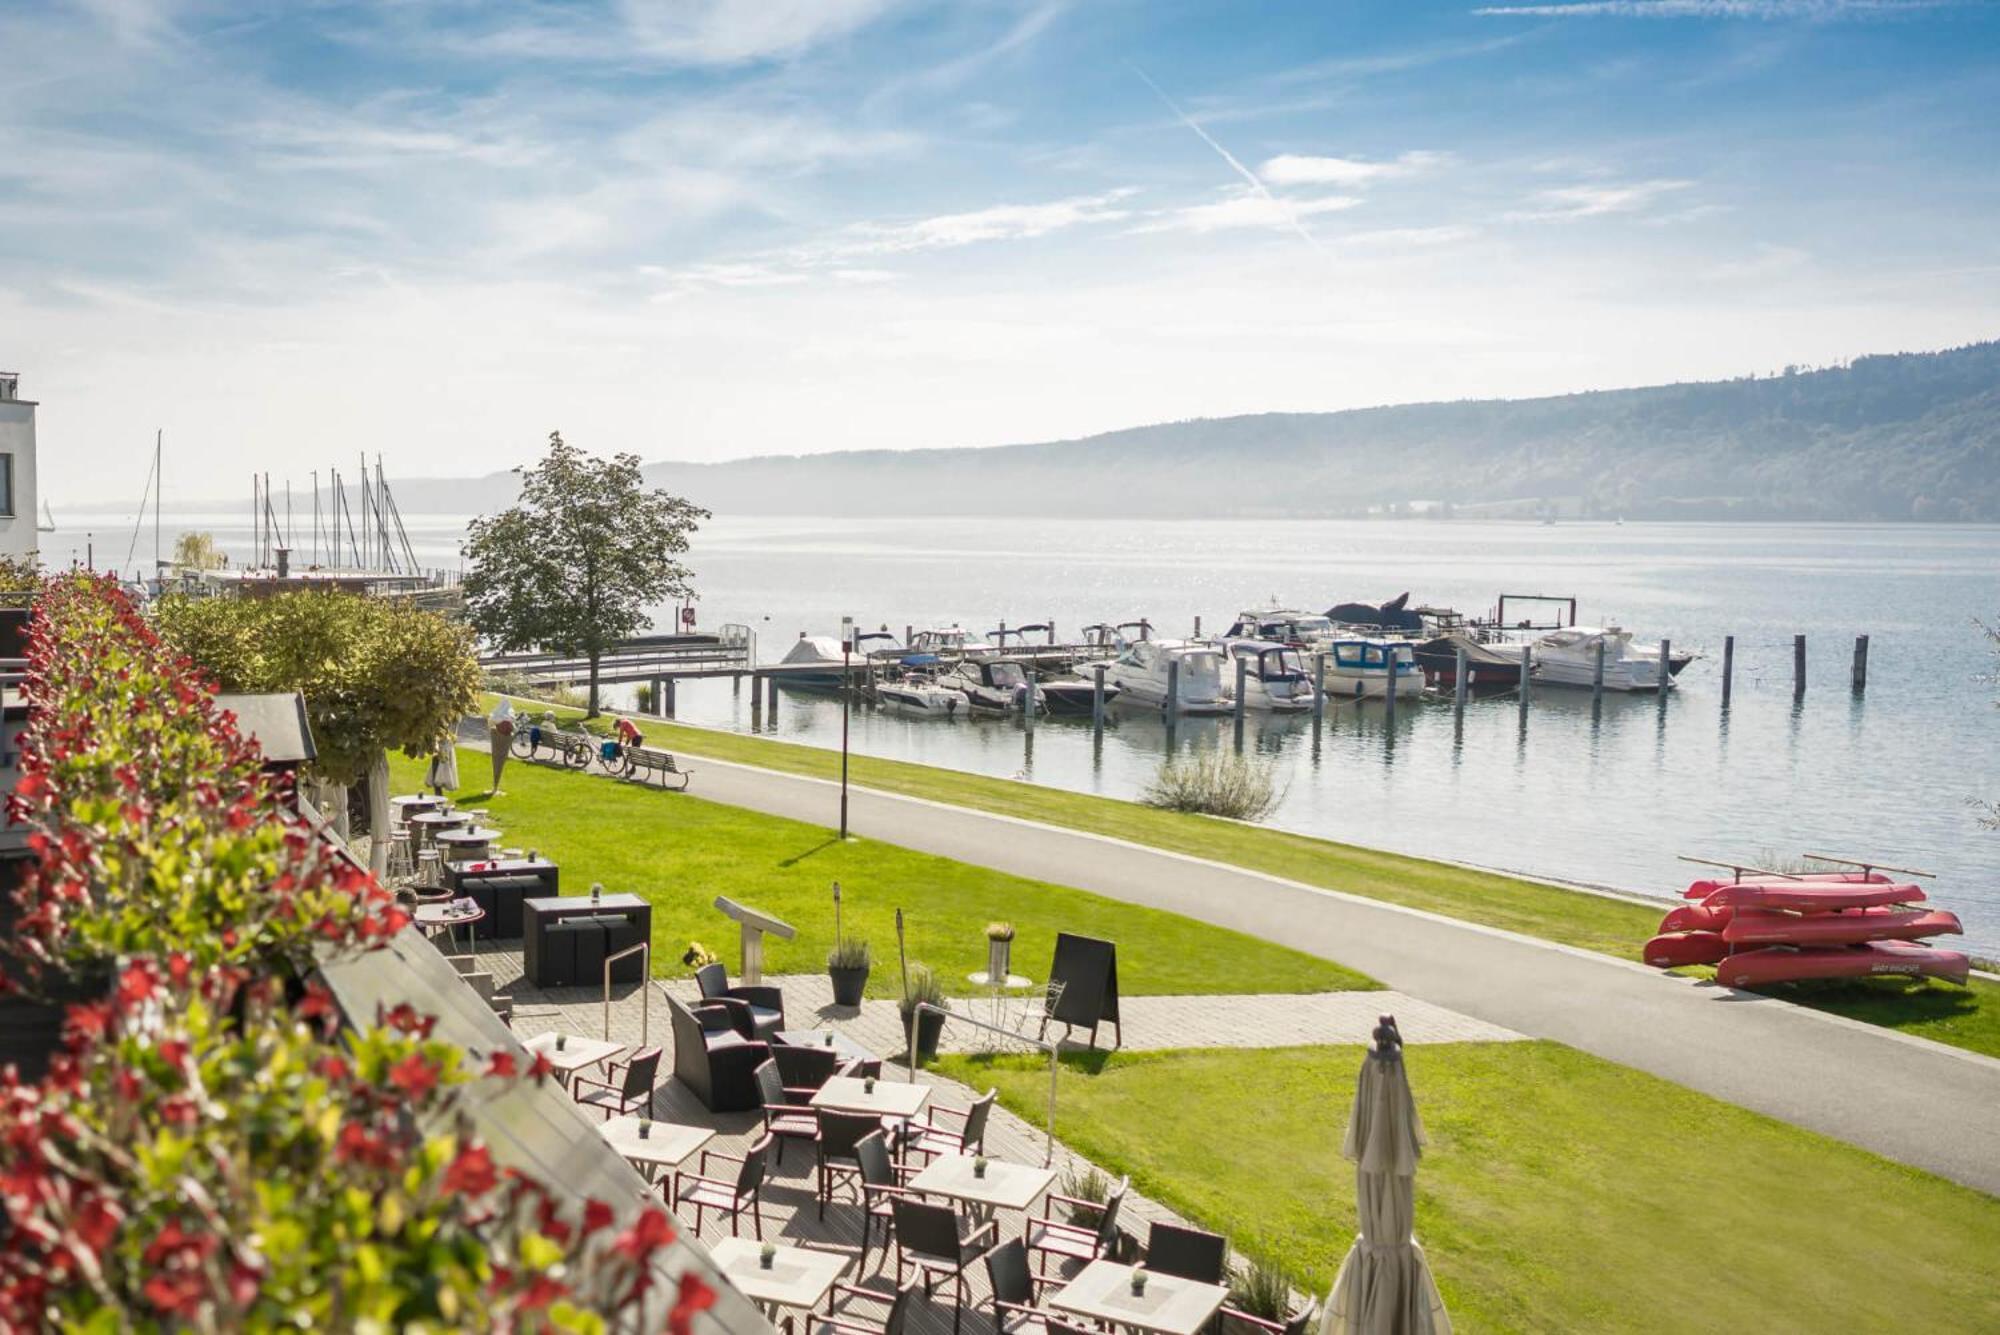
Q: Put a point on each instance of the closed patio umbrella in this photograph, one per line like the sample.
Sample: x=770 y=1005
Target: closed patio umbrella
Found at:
x=1384 y=1286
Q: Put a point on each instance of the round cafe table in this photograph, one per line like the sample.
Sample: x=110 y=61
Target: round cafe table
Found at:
x=427 y=825
x=456 y=846
x=447 y=918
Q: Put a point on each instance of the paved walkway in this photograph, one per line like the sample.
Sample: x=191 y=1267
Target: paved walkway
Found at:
x=1918 y=1102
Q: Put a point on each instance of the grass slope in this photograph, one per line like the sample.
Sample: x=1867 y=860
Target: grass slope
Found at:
x=1559 y=1192
x=680 y=852
x=1963 y=1017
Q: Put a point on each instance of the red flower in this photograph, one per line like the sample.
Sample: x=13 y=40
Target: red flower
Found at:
x=596 y=1215
x=540 y=1067
x=138 y=983
x=541 y=1292
x=694 y=1296
x=502 y=1064
x=471 y=1173
x=651 y=1231
x=416 y=1075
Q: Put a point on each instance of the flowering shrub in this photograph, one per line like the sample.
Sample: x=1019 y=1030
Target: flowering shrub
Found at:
x=215 y=1148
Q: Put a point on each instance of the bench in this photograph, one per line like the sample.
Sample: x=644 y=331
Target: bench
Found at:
x=642 y=763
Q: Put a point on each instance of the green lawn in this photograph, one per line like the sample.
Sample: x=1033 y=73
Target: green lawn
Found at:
x=1559 y=1192
x=1964 y=1017
x=680 y=852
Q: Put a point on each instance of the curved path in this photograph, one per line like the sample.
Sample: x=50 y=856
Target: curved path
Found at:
x=1912 y=1100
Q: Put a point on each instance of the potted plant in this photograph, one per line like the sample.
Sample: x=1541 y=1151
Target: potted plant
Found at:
x=847 y=964
x=1261 y=1291
x=923 y=988
x=999 y=951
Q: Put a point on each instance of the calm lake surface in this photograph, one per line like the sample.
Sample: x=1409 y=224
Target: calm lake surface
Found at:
x=1607 y=797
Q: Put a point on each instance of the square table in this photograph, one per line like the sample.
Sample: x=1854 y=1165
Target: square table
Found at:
x=1102 y=1291
x=666 y=1144
x=799 y=1277
x=846 y=1047
x=575 y=1053
x=1006 y=1186
x=891 y=1098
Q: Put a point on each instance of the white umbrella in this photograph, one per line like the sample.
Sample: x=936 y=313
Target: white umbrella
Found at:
x=1384 y=1286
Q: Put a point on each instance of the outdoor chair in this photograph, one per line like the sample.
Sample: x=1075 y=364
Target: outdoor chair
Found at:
x=1301 y=1322
x=714 y=1061
x=758 y=1012
x=1049 y=1236
x=804 y=1069
x=1014 y=1310
x=928 y=1136
x=1189 y=1253
x=783 y=1117
x=839 y=1134
x=897 y=1322
x=633 y=1091
x=728 y=1195
x=935 y=1240
x=882 y=1182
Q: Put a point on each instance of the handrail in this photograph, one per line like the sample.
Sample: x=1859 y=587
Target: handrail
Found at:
x=1049 y=1122
x=645 y=997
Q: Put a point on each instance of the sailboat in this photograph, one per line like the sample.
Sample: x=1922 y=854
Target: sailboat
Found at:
x=48 y=524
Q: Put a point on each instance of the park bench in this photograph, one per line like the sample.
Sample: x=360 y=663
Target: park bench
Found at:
x=643 y=762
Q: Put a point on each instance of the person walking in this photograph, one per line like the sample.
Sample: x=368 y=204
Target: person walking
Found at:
x=443 y=775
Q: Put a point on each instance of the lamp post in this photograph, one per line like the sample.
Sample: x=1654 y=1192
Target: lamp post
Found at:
x=846 y=708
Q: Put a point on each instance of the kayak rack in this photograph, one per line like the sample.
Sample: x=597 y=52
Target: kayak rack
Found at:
x=1867 y=867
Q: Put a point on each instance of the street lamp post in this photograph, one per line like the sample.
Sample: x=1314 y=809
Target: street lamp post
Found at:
x=846 y=708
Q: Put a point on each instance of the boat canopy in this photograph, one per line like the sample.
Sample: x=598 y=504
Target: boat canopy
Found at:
x=814 y=649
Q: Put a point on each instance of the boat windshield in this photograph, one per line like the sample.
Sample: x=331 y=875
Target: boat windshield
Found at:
x=1285 y=662
x=1008 y=674
x=1307 y=627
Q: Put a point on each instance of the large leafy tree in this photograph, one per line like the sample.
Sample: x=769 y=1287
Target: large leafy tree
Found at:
x=576 y=563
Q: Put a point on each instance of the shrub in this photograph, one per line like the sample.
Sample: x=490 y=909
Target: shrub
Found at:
x=1262 y=1291
x=1214 y=783
x=851 y=952
x=1086 y=1184
x=923 y=987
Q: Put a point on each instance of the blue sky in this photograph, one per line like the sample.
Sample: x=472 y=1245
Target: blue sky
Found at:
x=706 y=228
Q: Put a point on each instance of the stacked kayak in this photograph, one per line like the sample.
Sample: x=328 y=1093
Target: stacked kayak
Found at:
x=1781 y=929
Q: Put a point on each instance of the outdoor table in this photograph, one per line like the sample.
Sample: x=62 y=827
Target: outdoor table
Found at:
x=427 y=824
x=1102 y=1291
x=890 y=1098
x=575 y=1053
x=996 y=990
x=466 y=845
x=415 y=804
x=665 y=1145
x=846 y=1047
x=798 y=1277
x=446 y=917
x=1006 y=1186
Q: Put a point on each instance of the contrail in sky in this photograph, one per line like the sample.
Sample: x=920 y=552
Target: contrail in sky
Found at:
x=1256 y=184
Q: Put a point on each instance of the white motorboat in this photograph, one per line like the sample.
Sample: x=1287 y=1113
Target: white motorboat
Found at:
x=1568 y=657
x=1274 y=675
x=917 y=694
x=815 y=662
x=1284 y=625
x=1143 y=669
x=947 y=641
x=991 y=685
x=1362 y=669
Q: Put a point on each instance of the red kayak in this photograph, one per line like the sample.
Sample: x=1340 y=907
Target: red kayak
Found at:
x=1670 y=950
x=1879 y=959
x=1770 y=927
x=1703 y=889
x=1697 y=918
x=1811 y=898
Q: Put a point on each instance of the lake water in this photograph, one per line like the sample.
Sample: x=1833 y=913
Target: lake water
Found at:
x=1607 y=797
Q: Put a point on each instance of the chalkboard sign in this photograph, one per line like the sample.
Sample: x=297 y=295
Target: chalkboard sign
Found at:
x=1088 y=971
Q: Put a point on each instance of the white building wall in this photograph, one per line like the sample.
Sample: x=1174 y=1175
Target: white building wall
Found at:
x=17 y=439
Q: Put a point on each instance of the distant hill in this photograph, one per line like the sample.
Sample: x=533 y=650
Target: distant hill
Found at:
x=1908 y=436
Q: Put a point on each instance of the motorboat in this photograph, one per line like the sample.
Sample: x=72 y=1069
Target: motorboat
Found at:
x=1274 y=675
x=814 y=663
x=1369 y=669
x=1284 y=625
x=991 y=685
x=948 y=641
x=1072 y=695
x=1146 y=670
x=1568 y=657
x=916 y=693
x=1487 y=665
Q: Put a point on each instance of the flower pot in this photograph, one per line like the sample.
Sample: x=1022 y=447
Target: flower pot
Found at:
x=929 y=1026
x=848 y=984
x=999 y=959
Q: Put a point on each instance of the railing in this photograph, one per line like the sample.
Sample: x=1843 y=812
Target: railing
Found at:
x=645 y=949
x=1049 y=1121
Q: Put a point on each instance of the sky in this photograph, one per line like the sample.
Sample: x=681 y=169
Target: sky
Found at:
x=288 y=234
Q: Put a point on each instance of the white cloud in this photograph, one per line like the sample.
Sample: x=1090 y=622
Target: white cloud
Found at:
x=1595 y=201
x=1293 y=169
x=1002 y=222
x=732 y=32
x=1717 y=9
x=1246 y=208
x=1404 y=238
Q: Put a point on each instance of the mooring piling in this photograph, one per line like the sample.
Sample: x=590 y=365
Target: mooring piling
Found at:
x=1173 y=689
x=1666 y=669
x=1319 y=684
x=1860 y=664
x=1527 y=676
x=771 y=700
x=1242 y=688
x=1597 y=676
x=1728 y=666
x=1097 y=699
x=1798 y=666
x=1458 y=674
x=1389 y=696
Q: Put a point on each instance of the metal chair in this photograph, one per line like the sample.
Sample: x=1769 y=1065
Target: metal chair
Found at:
x=726 y=1195
x=897 y=1322
x=1190 y=1253
x=927 y=1136
x=804 y=1068
x=839 y=1134
x=632 y=1093
x=1013 y=1290
x=882 y=1182
x=1049 y=1236
x=934 y=1239
x=783 y=1117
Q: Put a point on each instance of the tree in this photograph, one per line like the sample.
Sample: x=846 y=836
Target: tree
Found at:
x=196 y=551
x=573 y=566
x=376 y=675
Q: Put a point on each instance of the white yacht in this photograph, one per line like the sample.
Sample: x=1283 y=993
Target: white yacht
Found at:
x=1285 y=625
x=1568 y=657
x=991 y=685
x=1142 y=669
x=921 y=695
x=1361 y=669
x=948 y=640
x=1275 y=676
